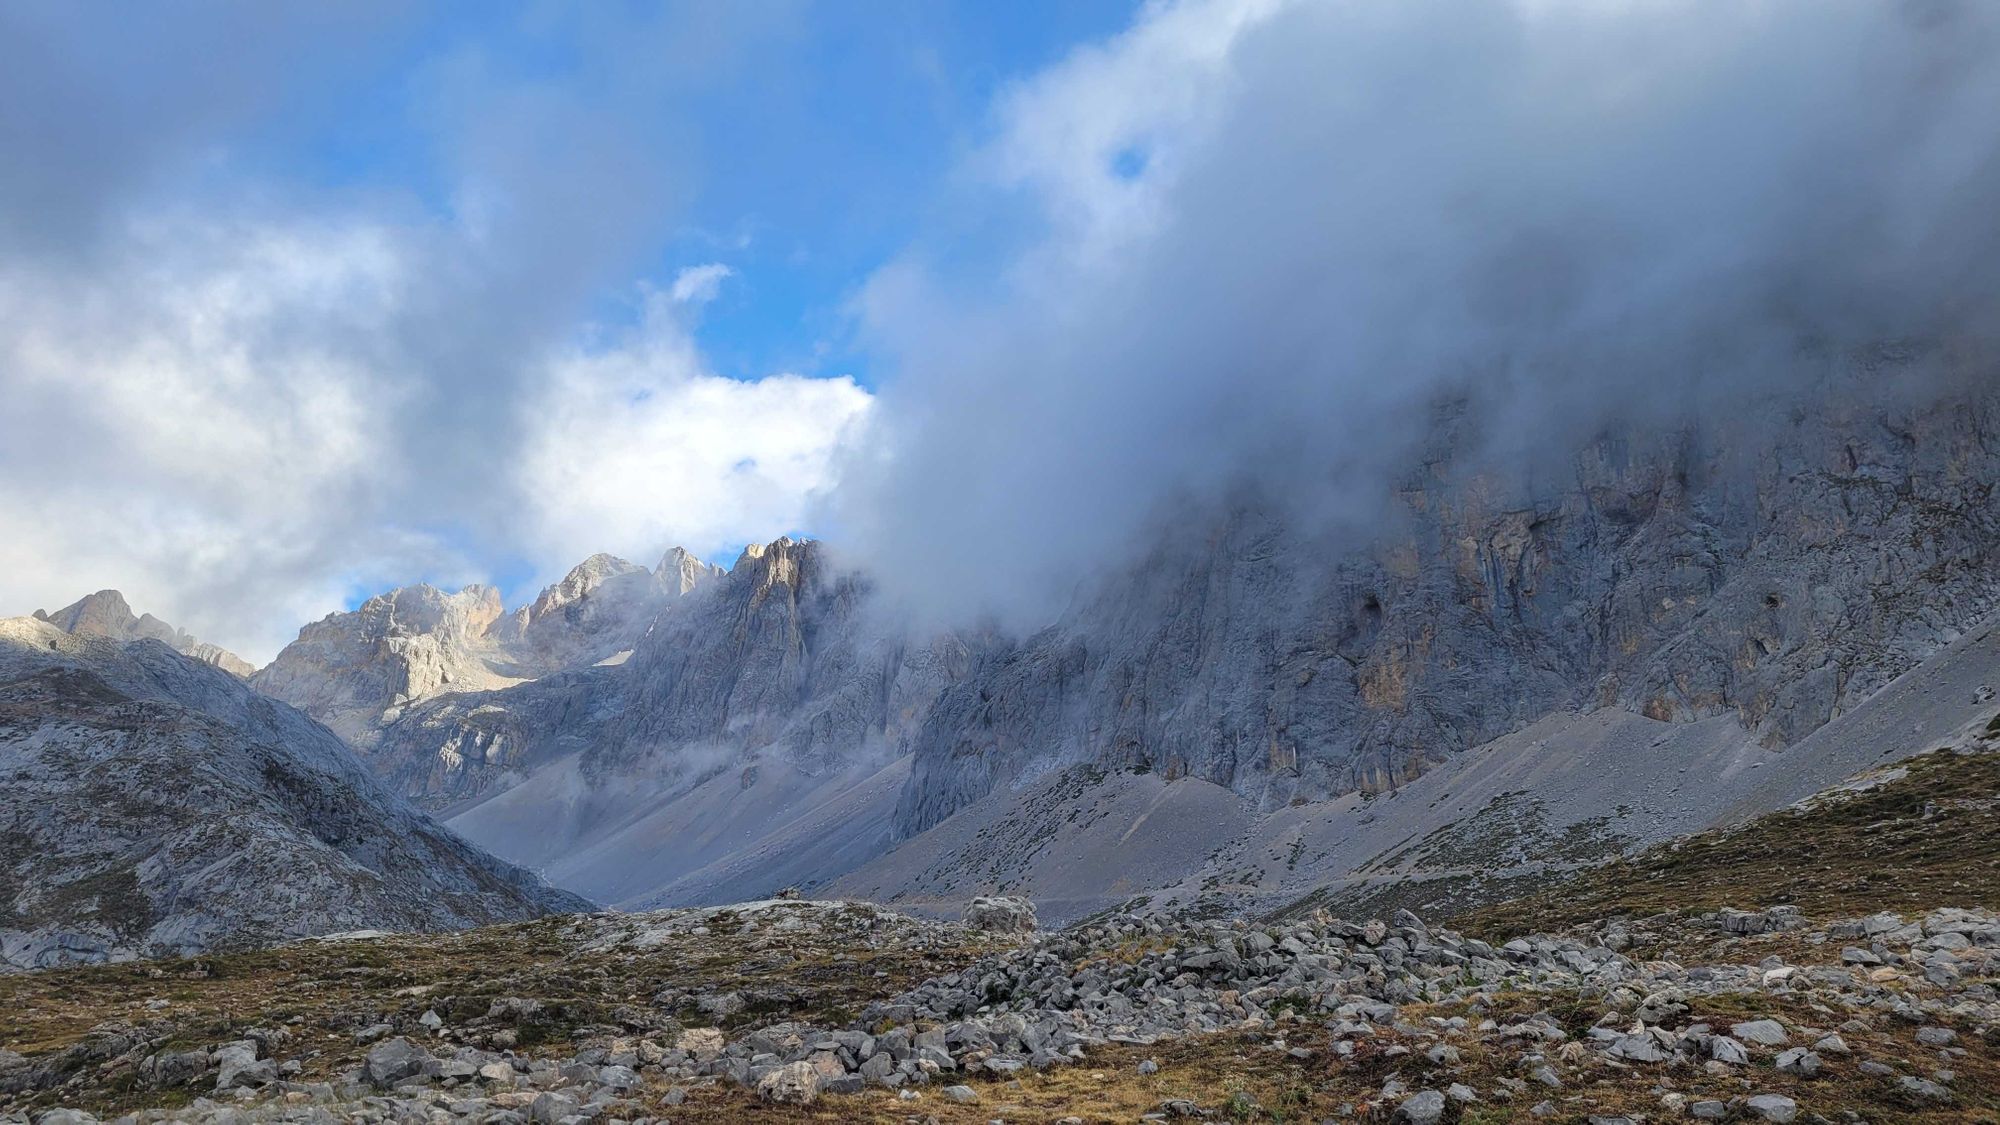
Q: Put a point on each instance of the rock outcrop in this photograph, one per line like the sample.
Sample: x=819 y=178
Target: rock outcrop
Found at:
x=105 y=614
x=358 y=671
x=157 y=806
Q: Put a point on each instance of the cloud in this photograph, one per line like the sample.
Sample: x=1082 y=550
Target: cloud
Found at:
x=699 y=284
x=195 y=425
x=1249 y=243
x=242 y=394
x=638 y=445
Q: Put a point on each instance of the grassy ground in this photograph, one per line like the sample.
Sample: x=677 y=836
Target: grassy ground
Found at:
x=1927 y=839
x=324 y=992
x=1251 y=1077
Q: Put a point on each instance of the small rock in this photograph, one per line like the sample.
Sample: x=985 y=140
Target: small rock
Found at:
x=1001 y=914
x=961 y=1094
x=1798 y=1061
x=1772 y=1107
x=1770 y=1033
x=394 y=1060
x=1426 y=1107
x=1924 y=1088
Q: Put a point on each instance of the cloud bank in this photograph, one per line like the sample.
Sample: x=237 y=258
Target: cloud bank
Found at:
x=1262 y=237
x=243 y=400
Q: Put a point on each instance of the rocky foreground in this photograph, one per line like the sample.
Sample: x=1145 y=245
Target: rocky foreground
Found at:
x=789 y=1010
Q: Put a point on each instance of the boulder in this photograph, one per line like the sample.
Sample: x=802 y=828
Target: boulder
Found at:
x=1008 y=914
x=792 y=1084
x=394 y=1060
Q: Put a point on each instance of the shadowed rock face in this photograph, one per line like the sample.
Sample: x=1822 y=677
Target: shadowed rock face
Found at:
x=157 y=806
x=1777 y=567
x=161 y=807
x=105 y=614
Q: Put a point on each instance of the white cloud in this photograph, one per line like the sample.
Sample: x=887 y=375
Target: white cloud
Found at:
x=234 y=426
x=171 y=429
x=637 y=446
x=699 y=284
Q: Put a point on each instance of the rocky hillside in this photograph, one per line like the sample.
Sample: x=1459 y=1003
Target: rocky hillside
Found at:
x=157 y=806
x=105 y=614
x=842 y=1012
x=358 y=671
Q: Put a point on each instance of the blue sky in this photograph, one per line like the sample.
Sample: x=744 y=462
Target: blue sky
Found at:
x=803 y=166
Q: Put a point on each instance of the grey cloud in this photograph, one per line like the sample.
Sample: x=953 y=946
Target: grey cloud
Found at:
x=1567 y=212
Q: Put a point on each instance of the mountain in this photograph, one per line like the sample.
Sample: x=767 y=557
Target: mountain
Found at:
x=158 y=806
x=105 y=614
x=358 y=670
x=1566 y=654
x=1774 y=567
x=755 y=699
x=1524 y=665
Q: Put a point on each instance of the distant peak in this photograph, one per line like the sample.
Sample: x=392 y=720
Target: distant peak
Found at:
x=680 y=572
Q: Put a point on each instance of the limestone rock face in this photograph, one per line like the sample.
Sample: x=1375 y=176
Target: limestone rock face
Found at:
x=157 y=806
x=1776 y=567
x=753 y=739
x=350 y=670
x=105 y=614
x=358 y=671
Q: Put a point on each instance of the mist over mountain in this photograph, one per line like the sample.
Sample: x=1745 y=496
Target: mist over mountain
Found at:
x=1271 y=240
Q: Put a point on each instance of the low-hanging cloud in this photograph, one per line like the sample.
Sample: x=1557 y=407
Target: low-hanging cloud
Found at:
x=1267 y=236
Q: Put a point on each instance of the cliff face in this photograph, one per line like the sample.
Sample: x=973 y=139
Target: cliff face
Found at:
x=1777 y=566
x=776 y=655
x=1767 y=568
x=357 y=671
x=158 y=806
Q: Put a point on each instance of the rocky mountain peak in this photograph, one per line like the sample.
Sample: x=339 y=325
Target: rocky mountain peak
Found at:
x=783 y=561
x=166 y=808
x=359 y=670
x=679 y=572
x=106 y=614
x=583 y=578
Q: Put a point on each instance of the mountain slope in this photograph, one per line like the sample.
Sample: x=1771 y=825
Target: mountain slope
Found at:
x=156 y=805
x=105 y=614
